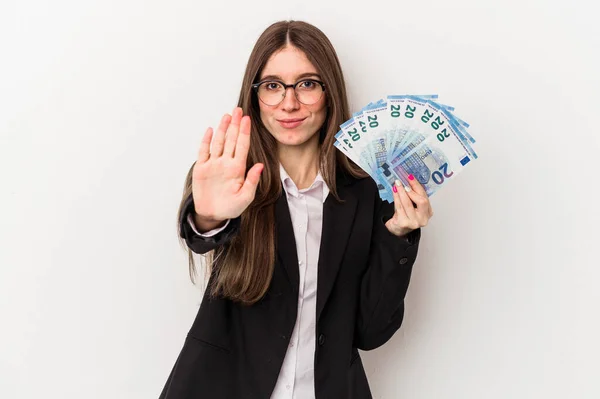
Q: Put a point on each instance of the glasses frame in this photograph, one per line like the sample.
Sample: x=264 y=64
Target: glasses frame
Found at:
x=256 y=86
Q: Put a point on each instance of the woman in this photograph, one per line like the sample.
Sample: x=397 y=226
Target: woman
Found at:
x=308 y=263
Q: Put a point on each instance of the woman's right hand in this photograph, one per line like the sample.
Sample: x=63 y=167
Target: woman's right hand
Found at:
x=220 y=187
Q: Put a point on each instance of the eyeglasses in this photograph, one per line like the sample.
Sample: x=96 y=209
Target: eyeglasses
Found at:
x=272 y=92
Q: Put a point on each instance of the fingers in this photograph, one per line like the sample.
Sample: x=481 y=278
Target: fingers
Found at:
x=232 y=132
x=416 y=186
x=413 y=209
x=227 y=140
x=216 y=149
x=407 y=205
x=251 y=182
x=398 y=202
x=204 y=151
x=424 y=210
x=419 y=197
x=243 y=140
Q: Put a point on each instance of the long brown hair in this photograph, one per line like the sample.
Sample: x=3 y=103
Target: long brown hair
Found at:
x=242 y=270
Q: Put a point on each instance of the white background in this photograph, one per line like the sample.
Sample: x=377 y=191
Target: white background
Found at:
x=102 y=108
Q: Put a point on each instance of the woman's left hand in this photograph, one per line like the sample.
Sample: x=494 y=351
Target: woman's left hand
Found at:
x=412 y=206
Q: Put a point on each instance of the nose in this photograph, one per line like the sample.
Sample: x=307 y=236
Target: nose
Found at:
x=290 y=102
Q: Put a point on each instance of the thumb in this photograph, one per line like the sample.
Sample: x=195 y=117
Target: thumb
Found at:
x=252 y=179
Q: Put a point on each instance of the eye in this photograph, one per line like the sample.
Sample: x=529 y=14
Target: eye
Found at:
x=272 y=86
x=308 y=84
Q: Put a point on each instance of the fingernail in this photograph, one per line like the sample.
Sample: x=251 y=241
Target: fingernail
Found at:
x=406 y=188
x=394 y=188
x=411 y=177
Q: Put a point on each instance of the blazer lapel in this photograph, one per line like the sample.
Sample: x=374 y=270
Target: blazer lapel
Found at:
x=286 y=242
x=337 y=225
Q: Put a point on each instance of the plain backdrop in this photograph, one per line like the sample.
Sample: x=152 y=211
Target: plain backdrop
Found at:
x=102 y=108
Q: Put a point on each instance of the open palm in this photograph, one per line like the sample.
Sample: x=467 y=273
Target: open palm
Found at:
x=220 y=186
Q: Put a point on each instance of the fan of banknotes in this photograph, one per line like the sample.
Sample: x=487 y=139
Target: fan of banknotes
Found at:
x=407 y=134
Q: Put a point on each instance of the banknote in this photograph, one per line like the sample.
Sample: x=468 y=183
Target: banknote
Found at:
x=402 y=135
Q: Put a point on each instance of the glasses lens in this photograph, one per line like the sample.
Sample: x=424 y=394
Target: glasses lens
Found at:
x=271 y=93
x=309 y=92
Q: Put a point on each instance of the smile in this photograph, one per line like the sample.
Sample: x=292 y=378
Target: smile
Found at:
x=290 y=123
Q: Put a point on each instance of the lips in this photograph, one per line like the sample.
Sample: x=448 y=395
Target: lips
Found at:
x=291 y=120
x=290 y=123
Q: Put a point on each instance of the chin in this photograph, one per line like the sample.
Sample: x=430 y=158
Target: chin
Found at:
x=293 y=138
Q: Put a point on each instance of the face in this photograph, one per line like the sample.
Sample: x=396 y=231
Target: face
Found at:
x=291 y=122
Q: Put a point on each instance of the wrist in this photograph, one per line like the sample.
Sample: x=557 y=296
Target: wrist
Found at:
x=204 y=224
x=398 y=231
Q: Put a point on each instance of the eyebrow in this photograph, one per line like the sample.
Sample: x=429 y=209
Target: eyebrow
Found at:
x=301 y=76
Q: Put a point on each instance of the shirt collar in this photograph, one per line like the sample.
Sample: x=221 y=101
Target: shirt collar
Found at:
x=290 y=187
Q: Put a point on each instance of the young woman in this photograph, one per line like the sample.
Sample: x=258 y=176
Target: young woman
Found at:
x=308 y=264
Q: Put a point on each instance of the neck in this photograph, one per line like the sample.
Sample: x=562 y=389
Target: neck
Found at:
x=301 y=162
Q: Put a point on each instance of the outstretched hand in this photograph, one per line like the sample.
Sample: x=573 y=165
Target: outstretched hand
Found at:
x=221 y=188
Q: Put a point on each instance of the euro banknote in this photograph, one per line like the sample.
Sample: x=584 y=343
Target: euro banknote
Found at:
x=402 y=135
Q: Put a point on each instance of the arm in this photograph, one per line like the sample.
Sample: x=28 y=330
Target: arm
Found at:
x=221 y=187
x=209 y=233
x=202 y=243
x=384 y=284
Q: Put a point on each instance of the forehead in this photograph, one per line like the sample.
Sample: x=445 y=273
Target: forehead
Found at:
x=288 y=64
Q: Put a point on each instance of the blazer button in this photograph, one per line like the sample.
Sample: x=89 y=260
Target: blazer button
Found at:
x=403 y=261
x=321 y=339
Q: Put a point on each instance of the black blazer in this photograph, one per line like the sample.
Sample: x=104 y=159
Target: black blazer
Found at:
x=235 y=352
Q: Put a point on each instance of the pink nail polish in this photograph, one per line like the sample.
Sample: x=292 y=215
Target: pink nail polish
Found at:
x=411 y=177
x=394 y=188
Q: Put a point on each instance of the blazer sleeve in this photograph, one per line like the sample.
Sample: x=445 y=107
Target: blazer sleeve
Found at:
x=385 y=282
x=200 y=244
